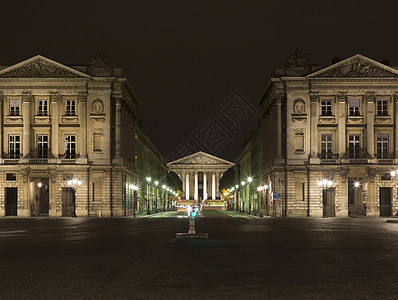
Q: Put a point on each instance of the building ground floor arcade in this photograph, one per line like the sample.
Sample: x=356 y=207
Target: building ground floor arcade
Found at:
x=322 y=191
x=43 y=190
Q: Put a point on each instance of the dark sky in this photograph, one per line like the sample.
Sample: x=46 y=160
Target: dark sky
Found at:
x=185 y=58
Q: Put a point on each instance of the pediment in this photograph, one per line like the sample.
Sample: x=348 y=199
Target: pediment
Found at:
x=201 y=159
x=40 y=67
x=357 y=66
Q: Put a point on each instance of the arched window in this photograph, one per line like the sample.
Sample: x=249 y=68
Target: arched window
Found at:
x=299 y=141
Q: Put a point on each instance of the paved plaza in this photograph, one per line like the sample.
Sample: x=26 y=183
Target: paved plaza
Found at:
x=245 y=257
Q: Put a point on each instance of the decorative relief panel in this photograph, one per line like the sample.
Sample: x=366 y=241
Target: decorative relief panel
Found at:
x=39 y=68
x=357 y=67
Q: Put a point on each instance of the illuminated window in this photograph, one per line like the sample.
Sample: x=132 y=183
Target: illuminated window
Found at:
x=354 y=107
x=70 y=146
x=15 y=107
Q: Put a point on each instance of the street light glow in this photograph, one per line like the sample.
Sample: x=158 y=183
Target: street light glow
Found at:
x=148 y=179
x=156 y=182
x=242 y=183
x=163 y=187
x=357 y=184
x=250 y=179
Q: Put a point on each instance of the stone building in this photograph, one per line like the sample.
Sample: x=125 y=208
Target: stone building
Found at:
x=60 y=123
x=200 y=174
x=150 y=164
x=330 y=139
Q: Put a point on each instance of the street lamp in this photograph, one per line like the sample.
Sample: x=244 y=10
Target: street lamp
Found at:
x=148 y=180
x=74 y=183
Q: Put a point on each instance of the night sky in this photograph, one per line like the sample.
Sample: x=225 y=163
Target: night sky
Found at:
x=185 y=58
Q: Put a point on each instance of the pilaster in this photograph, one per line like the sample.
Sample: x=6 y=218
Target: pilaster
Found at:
x=55 y=98
x=83 y=124
x=370 y=100
x=26 y=101
x=342 y=98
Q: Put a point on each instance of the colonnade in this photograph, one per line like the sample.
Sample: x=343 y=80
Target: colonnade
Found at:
x=210 y=184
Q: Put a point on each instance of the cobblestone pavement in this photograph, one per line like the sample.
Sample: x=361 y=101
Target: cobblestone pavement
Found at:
x=244 y=258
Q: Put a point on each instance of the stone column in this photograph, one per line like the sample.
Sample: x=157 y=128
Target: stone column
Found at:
x=204 y=186
x=218 y=184
x=370 y=134
x=213 y=185
x=395 y=140
x=54 y=98
x=278 y=104
x=83 y=124
x=342 y=98
x=1 y=122
x=26 y=100
x=118 y=126
x=196 y=186
x=314 y=98
x=187 y=186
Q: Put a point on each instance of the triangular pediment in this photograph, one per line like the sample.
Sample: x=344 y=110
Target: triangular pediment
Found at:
x=201 y=159
x=40 y=67
x=357 y=66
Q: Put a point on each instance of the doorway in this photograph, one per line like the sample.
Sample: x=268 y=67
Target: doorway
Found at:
x=11 y=201
x=385 y=202
x=354 y=198
x=328 y=202
x=68 y=202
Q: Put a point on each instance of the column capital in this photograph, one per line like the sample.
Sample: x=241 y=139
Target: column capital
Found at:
x=27 y=97
x=396 y=97
x=370 y=96
x=314 y=96
x=55 y=97
x=117 y=97
x=279 y=98
x=342 y=96
x=82 y=96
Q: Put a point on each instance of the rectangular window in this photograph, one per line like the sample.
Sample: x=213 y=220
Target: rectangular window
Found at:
x=326 y=106
x=70 y=108
x=354 y=146
x=70 y=146
x=382 y=105
x=42 y=107
x=15 y=107
x=326 y=146
x=354 y=107
x=11 y=176
x=42 y=146
x=382 y=146
x=14 y=146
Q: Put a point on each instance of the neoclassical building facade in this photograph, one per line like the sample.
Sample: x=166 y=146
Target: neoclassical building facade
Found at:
x=328 y=140
x=200 y=174
x=59 y=123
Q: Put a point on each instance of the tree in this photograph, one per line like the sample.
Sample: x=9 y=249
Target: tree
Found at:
x=174 y=182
